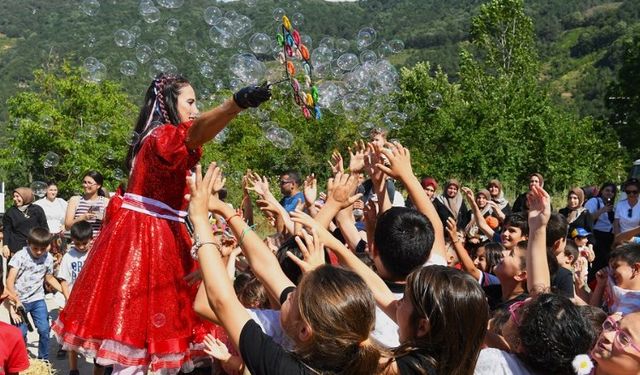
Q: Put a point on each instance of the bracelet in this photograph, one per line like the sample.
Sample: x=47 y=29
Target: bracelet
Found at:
x=231 y=217
x=244 y=231
x=197 y=245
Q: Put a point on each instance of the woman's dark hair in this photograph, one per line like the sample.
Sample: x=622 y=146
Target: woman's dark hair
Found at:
x=456 y=308
x=51 y=183
x=339 y=307
x=99 y=179
x=552 y=332
x=493 y=254
x=160 y=107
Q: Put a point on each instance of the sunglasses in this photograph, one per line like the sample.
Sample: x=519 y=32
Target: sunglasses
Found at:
x=631 y=192
x=622 y=338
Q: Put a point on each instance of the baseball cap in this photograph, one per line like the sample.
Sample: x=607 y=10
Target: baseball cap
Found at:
x=579 y=232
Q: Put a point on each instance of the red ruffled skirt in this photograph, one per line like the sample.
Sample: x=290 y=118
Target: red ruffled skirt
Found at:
x=130 y=304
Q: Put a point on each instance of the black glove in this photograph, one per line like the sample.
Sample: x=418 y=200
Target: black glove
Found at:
x=252 y=96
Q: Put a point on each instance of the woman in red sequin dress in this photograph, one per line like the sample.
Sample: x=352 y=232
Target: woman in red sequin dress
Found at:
x=130 y=306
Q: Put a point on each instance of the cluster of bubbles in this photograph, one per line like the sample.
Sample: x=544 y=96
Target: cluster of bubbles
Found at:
x=356 y=79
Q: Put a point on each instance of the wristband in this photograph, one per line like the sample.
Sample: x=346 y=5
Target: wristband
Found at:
x=231 y=217
x=197 y=245
x=244 y=231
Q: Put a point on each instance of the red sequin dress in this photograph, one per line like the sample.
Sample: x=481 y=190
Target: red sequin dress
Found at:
x=130 y=304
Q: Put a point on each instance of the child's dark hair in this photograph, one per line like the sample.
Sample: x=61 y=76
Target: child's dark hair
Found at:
x=629 y=253
x=517 y=220
x=290 y=269
x=81 y=231
x=571 y=250
x=39 y=236
x=240 y=281
x=403 y=239
x=556 y=229
x=253 y=295
x=552 y=332
x=493 y=254
x=595 y=316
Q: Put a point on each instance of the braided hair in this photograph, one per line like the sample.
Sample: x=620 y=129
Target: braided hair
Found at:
x=160 y=108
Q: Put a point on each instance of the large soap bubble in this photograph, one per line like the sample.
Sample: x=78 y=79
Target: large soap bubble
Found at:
x=342 y=45
x=222 y=32
x=122 y=37
x=160 y=46
x=396 y=45
x=51 y=160
x=278 y=13
x=143 y=53
x=247 y=68
x=242 y=25
x=260 y=43
x=90 y=7
x=281 y=138
x=172 y=25
x=211 y=14
x=321 y=56
x=171 y=4
x=365 y=37
x=94 y=72
x=128 y=68
x=347 y=61
x=149 y=13
x=207 y=70
x=394 y=120
x=39 y=188
x=190 y=46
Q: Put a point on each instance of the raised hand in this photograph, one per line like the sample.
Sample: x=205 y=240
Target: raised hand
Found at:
x=252 y=96
x=399 y=159
x=539 y=207
x=203 y=197
x=336 y=163
x=452 y=229
x=267 y=207
x=258 y=184
x=216 y=348
x=356 y=161
x=310 y=189
x=341 y=189
x=468 y=193
x=312 y=251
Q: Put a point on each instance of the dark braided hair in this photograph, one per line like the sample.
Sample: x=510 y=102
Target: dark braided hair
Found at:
x=552 y=332
x=160 y=108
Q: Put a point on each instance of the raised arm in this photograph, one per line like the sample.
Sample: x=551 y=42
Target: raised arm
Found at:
x=463 y=254
x=538 y=277
x=400 y=168
x=477 y=214
x=210 y=123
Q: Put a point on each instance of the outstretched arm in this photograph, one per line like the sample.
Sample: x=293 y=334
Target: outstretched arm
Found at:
x=538 y=277
x=400 y=168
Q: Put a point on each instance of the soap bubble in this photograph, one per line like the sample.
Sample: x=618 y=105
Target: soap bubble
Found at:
x=95 y=74
x=260 y=43
x=218 y=84
x=278 y=13
x=190 y=46
x=365 y=129
x=150 y=14
x=368 y=56
x=396 y=45
x=172 y=25
x=222 y=136
x=384 y=49
x=90 y=7
x=143 y=53
x=160 y=46
x=128 y=68
x=222 y=32
x=328 y=42
x=241 y=25
x=342 y=45
x=91 y=41
x=394 y=120
x=90 y=62
x=122 y=37
x=46 y=122
x=435 y=100
x=135 y=31
x=347 y=61
x=207 y=70
x=247 y=68
x=266 y=125
x=39 y=188
x=51 y=159
x=211 y=14
x=281 y=138
x=118 y=174
x=104 y=128
x=365 y=37
x=171 y=4
x=306 y=40
x=132 y=138
x=297 y=20
x=321 y=56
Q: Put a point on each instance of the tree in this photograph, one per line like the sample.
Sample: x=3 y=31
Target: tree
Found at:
x=86 y=125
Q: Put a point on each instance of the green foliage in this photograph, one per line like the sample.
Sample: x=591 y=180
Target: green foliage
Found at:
x=85 y=124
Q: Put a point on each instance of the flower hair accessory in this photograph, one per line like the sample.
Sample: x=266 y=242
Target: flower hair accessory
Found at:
x=582 y=364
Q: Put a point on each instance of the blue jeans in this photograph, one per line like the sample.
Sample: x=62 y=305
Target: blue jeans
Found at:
x=40 y=316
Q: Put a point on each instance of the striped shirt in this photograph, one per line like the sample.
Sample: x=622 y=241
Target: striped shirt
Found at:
x=96 y=206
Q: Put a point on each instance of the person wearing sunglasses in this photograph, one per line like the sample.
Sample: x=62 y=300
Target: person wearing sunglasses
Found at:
x=617 y=350
x=627 y=214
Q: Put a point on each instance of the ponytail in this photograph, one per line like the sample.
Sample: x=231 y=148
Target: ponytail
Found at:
x=366 y=359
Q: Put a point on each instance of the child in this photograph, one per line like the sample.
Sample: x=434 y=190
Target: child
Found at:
x=580 y=238
x=622 y=281
x=568 y=257
x=30 y=267
x=70 y=267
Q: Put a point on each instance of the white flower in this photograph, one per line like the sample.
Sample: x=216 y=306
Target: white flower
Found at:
x=582 y=364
